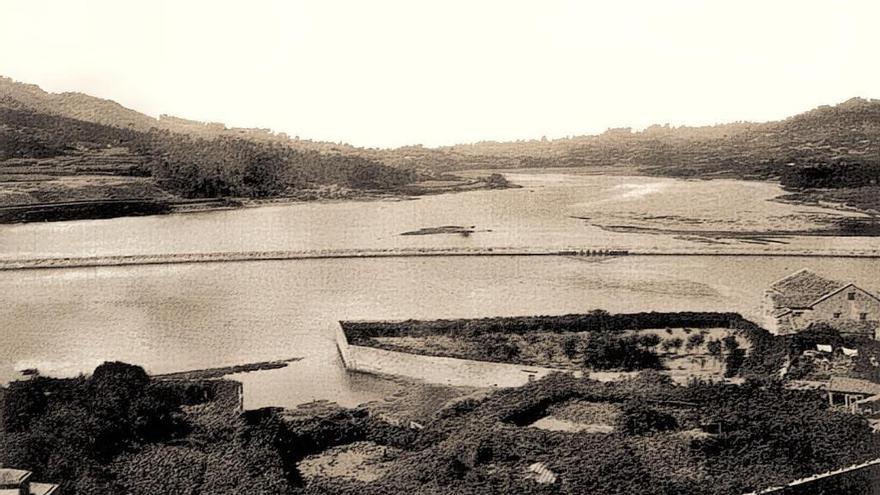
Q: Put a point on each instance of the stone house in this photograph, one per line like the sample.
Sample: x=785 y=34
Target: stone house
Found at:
x=792 y=303
x=854 y=394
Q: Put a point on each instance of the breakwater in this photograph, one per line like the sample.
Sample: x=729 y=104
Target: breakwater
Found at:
x=434 y=369
x=210 y=373
x=179 y=258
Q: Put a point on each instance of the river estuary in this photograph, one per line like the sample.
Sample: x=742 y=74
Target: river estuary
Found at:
x=187 y=316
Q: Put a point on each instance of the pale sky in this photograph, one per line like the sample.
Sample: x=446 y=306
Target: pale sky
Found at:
x=395 y=72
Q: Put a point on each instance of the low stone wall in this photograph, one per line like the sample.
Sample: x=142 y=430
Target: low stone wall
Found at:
x=830 y=482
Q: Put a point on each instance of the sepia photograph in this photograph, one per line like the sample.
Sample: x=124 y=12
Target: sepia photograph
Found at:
x=439 y=247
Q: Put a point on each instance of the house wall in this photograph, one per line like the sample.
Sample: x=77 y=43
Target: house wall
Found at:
x=840 y=303
x=823 y=312
x=773 y=324
x=848 y=321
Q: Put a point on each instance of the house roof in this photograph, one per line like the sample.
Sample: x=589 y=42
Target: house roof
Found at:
x=541 y=473
x=801 y=289
x=13 y=477
x=853 y=385
x=854 y=286
x=43 y=488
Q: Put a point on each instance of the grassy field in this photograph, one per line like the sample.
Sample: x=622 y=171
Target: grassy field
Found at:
x=579 y=415
x=358 y=461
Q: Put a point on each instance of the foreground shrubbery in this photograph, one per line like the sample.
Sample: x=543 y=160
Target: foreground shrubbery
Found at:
x=768 y=435
x=70 y=429
x=764 y=435
x=119 y=431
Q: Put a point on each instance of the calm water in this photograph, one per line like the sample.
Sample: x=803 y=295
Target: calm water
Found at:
x=179 y=317
x=544 y=213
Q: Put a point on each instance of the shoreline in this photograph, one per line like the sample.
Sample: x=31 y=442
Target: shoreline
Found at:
x=228 y=257
x=109 y=208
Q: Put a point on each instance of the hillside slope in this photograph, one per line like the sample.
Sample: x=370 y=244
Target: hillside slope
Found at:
x=75 y=148
x=47 y=140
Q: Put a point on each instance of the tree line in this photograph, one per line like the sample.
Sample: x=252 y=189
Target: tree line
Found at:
x=196 y=167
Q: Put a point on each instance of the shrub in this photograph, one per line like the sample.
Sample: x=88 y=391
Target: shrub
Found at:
x=605 y=351
x=86 y=422
x=714 y=348
x=497 y=347
x=695 y=340
x=637 y=418
x=734 y=361
x=730 y=343
x=649 y=340
x=571 y=346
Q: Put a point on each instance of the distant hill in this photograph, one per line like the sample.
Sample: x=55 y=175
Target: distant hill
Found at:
x=45 y=136
x=79 y=106
x=830 y=147
x=848 y=132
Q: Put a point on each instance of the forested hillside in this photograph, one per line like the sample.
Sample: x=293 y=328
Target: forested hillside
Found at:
x=845 y=133
x=115 y=153
x=829 y=153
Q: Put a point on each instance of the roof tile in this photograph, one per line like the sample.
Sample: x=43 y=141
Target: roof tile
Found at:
x=801 y=289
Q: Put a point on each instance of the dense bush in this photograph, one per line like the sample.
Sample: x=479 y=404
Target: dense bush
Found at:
x=638 y=418
x=496 y=347
x=768 y=435
x=597 y=320
x=831 y=175
x=606 y=351
x=734 y=362
x=70 y=429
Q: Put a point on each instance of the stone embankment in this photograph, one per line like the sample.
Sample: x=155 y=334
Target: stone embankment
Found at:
x=173 y=258
x=177 y=258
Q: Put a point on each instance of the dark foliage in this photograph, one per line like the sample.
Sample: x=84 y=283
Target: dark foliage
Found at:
x=638 y=418
x=733 y=362
x=768 y=435
x=68 y=429
x=571 y=345
x=597 y=320
x=197 y=167
x=831 y=175
x=695 y=340
x=496 y=347
x=606 y=351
